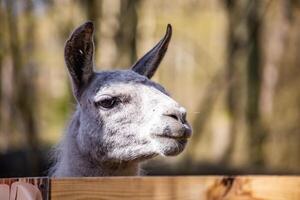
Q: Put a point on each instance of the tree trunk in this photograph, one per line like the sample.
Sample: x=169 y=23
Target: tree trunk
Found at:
x=24 y=76
x=236 y=70
x=27 y=100
x=94 y=13
x=2 y=47
x=244 y=70
x=126 y=35
x=11 y=80
x=257 y=132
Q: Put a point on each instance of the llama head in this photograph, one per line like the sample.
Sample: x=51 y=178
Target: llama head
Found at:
x=124 y=116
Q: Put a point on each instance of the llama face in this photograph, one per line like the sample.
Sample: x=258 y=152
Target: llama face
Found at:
x=124 y=115
x=130 y=118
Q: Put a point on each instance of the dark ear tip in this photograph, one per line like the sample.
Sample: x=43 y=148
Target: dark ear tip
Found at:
x=169 y=29
x=88 y=26
x=84 y=31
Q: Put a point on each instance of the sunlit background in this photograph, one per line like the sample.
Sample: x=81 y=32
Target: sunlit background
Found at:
x=235 y=66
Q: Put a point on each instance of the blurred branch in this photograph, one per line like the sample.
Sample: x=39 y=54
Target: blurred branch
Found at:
x=211 y=93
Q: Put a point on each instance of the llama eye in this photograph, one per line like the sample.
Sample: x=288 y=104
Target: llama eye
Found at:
x=107 y=102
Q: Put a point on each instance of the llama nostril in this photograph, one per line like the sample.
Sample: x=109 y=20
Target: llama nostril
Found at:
x=184 y=117
x=179 y=114
x=173 y=116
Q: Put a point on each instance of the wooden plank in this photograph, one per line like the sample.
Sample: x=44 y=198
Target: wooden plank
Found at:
x=185 y=187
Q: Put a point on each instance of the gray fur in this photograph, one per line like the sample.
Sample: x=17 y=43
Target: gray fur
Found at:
x=143 y=122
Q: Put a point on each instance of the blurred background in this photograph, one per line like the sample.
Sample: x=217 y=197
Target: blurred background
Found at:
x=235 y=66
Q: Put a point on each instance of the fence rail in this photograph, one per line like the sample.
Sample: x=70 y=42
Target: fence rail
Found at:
x=169 y=188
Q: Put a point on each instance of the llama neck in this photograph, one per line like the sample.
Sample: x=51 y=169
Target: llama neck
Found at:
x=74 y=163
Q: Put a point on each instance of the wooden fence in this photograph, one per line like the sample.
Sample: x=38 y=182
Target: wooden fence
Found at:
x=168 y=188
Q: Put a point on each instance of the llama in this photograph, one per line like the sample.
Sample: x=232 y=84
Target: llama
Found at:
x=122 y=117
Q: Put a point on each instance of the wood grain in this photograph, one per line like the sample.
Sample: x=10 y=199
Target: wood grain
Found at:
x=184 y=187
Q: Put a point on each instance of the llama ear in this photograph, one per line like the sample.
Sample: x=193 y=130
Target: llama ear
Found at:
x=149 y=63
x=79 y=51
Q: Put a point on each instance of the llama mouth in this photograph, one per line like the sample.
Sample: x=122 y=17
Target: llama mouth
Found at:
x=183 y=138
x=182 y=134
x=171 y=145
